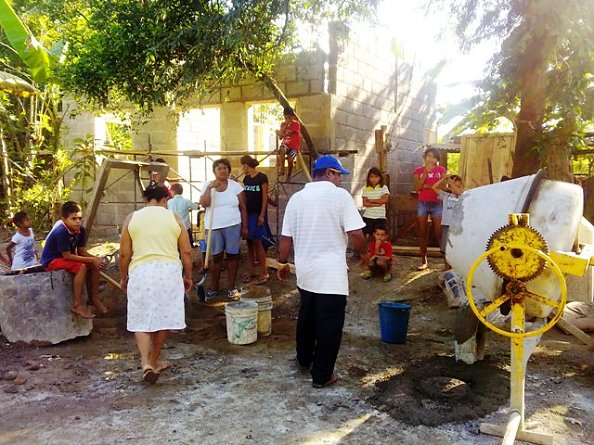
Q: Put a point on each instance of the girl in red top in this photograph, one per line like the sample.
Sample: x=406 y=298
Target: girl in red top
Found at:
x=428 y=179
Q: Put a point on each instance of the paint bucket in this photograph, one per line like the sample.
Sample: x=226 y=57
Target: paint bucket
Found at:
x=393 y=321
x=242 y=319
x=264 y=303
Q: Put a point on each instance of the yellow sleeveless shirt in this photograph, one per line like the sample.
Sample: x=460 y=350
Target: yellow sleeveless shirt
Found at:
x=154 y=232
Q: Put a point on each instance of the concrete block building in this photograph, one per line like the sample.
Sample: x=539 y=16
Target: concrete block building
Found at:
x=343 y=91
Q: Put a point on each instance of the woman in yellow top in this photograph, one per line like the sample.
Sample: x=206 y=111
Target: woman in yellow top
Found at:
x=151 y=274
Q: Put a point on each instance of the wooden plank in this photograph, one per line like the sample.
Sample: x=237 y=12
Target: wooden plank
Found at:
x=102 y=176
x=303 y=166
x=526 y=436
x=110 y=280
x=576 y=332
x=404 y=203
x=414 y=251
x=202 y=154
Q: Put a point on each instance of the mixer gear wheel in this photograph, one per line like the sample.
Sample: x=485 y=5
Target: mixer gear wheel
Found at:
x=511 y=261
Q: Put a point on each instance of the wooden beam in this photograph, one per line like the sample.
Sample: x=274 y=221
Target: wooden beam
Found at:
x=100 y=182
x=303 y=166
x=414 y=251
x=526 y=436
x=110 y=280
x=575 y=331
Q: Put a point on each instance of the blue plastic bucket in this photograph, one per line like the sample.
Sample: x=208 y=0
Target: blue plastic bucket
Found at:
x=393 y=321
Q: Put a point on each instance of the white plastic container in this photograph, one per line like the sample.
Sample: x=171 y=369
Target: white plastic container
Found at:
x=264 y=303
x=242 y=320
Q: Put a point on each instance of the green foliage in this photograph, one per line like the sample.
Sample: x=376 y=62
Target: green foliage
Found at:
x=164 y=51
x=31 y=125
x=544 y=68
x=37 y=195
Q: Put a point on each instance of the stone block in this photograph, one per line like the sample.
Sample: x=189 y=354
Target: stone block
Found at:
x=316 y=86
x=286 y=73
x=297 y=88
x=230 y=94
x=35 y=309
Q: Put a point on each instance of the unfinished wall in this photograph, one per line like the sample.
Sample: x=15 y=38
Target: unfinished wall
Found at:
x=371 y=87
x=342 y=96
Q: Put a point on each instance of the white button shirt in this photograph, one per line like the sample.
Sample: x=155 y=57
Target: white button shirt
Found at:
x=317 y=219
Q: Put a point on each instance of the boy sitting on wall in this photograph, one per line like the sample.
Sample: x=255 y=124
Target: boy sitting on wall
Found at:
x=64 y=249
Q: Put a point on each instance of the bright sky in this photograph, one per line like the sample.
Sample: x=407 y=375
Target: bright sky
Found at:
x=419 y=33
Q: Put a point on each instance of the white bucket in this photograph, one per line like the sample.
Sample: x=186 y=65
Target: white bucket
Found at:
x=242 y=319
x=264 y=303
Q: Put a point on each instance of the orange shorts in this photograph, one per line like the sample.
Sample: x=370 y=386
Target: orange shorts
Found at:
x=67 y=265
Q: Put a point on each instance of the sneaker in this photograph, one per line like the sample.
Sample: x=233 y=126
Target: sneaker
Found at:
x=387 y=277
x=366 y=275
x=233 y=294
x=331 y=381
x=211 y=294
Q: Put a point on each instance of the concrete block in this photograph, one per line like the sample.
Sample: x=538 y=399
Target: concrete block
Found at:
x=297 y=88
x=255 y=91
x=310 y=72
x=286 y=73
x=316 y=86
x=35 y=309
x=230 y=94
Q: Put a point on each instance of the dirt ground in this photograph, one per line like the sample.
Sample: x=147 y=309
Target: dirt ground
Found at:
x=90 y=390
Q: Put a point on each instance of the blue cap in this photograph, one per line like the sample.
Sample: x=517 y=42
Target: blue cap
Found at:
x=328 y=161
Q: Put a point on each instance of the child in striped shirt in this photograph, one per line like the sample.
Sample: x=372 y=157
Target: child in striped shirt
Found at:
x=375 y=198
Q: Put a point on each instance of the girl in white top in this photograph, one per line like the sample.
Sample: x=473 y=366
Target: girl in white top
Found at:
x=375 y=197
x=23 y=243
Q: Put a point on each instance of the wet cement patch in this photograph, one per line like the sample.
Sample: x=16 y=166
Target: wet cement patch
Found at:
x=438 y=390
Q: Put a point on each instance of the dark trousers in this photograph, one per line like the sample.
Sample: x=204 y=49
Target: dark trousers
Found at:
x=319 y=332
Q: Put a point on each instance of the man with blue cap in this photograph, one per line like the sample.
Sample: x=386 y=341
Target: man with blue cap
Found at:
x=318 y=223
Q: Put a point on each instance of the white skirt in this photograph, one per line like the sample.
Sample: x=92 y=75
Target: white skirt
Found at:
x=156 y=297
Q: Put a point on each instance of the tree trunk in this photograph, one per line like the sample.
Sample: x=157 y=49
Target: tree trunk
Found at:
x=533 y=91
x=556 y=153
x=278 y=94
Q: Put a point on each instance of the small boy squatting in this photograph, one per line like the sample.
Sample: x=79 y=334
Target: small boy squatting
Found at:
x=65 y=250
x=380 y=252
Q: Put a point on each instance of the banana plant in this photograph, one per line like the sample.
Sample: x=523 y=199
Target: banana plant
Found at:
x=16 y=85
x=30 y=50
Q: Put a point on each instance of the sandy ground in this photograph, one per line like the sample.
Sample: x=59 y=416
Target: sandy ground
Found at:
x=89 y=390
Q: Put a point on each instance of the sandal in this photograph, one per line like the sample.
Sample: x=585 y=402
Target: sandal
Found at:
x=423 y=266
x=366 y=275
x=149 y=375
x=248 y=277
x=162 y=366
x=262 y=280
x=387 y=277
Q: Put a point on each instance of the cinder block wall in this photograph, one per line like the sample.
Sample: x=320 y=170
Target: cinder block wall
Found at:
x=370 y=87
x=342 y=97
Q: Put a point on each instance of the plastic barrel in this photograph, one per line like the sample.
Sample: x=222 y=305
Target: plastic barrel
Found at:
x=242 y=320
x=393 y=321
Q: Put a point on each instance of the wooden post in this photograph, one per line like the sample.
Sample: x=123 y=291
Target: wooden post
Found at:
x=303 y=166
x=382 y=157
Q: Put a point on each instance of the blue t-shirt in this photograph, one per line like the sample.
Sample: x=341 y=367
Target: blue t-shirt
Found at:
x=59 y=240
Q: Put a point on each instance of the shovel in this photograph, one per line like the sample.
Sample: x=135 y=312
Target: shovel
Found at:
x=201 y=285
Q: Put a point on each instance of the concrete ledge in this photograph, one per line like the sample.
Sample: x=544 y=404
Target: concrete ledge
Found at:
x=35 y=309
